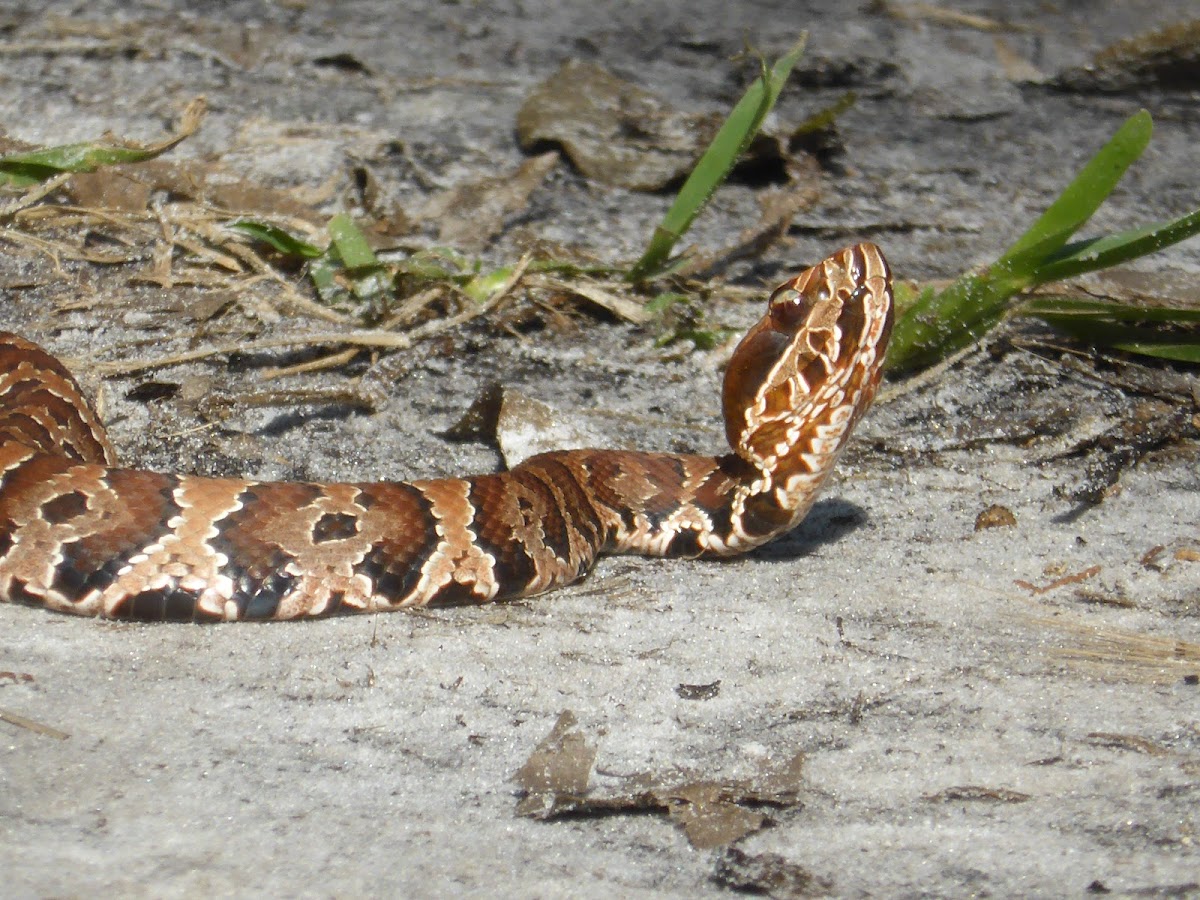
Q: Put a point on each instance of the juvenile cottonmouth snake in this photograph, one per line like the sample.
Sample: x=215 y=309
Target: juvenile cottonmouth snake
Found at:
x=82 y=535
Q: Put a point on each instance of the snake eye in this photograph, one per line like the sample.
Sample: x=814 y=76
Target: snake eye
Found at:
x=789 y=308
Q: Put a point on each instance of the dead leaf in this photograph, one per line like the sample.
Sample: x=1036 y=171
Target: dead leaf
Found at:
x=699 y=691
x=130 y=187
x=995 y=516
x=709 y=817
x=612 y=131
x=112 y=187
x=1127 y=742
x=561 y=765
x=32 y=725
x=471 y=213
x=712 y=813
x=977 y=792
x=611 y=297
x=1167 y=57
x=767 y=874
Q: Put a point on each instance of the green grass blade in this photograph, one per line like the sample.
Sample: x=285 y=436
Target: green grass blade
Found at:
x=277 y=238
x=1188 y=353
x=1082 y=197
x=1114 y=249
x=940 y=323
x=323 y=272
x=350 y=243
x=349 y=265
x=438 y=264
x=714 y=165
x=24 y=169
x=483 y=286
x=1131 y=338
x=1164 y=332
x=35 y=166
x=1079 y=308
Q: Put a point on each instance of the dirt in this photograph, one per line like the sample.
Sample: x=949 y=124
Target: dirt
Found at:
x=969 y=702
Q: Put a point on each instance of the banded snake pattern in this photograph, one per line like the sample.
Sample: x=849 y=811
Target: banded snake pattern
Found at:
x=81 y=534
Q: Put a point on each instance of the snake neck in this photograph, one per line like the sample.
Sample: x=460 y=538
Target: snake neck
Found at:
x=42 y=409
x=678 y=505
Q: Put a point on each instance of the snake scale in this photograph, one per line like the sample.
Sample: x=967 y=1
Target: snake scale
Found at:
x=80 y=534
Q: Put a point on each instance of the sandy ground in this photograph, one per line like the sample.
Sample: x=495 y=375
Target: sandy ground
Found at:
x=995 y=712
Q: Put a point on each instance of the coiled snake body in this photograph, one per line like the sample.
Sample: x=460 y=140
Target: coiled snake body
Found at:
x=82 y=535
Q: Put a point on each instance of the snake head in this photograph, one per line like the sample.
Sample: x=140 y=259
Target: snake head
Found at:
x=805 y=373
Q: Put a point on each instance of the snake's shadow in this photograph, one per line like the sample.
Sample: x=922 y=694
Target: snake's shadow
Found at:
x=828 y=521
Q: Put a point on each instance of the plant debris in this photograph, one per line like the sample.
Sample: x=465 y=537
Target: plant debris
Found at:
x=978 y=792
x=1124 y=655
x=767 y=874
x=712 y=813
x=1073 y=578
x=613 y=131
x=1126 y=742
x=1167 y=58
x=34 y=166
x=995 y=516
x=1152 y=425
x=699 y=691
x=469 y=214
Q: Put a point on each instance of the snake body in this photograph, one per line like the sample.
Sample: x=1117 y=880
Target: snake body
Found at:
x=80 y=534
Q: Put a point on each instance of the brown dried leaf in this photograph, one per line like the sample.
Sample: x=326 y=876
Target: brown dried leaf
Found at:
x=129 y=188
x=767 y=874
x=712 y=813
x=560 y=765
x=611 y=297
x=1132 y=742
x=469 y=214
x=1167 y=57
x=613 y=131
x=977 y=792
x=709 y=817
x=115 y=187
x=995 y=516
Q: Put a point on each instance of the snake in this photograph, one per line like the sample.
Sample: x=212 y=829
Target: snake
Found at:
x=81 y=534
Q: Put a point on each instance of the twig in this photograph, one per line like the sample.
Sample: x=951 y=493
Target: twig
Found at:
x=315 y=365
x=621 y=307
x=362 y=338
x=34 y=194
x=22 y=722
